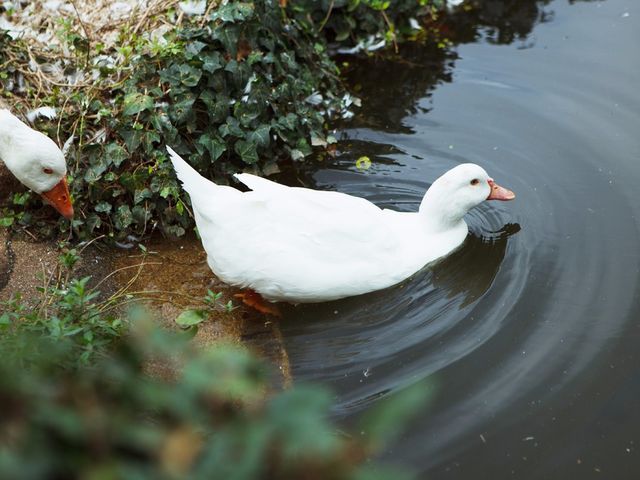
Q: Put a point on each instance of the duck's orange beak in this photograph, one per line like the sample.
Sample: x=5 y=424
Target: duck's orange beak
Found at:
x=499 y=193
x=58 y=197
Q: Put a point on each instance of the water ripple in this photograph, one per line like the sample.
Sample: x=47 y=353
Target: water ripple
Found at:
x=530 y=327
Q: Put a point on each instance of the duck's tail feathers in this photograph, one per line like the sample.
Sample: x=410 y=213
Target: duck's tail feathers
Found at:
x=191 y=180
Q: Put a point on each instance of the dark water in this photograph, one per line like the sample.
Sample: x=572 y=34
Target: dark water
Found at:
x=530 y=334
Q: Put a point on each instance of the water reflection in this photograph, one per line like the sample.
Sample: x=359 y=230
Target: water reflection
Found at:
x=469 y=272
x=498 y=21
x=397 y=86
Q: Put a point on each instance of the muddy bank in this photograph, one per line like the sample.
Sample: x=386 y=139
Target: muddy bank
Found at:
x=174 y=275
x=171 y=276
x=23 y=263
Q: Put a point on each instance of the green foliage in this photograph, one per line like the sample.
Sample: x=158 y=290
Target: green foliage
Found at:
x=232 y=95
x=65 y=310
x=207 y=416
x=189 y=318
x=249 y=87
x=213 y=301
x=89 y=394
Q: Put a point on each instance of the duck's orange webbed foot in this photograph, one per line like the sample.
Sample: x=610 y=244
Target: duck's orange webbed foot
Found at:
x=254 y=300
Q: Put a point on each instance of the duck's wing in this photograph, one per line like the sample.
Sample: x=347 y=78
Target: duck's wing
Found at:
x=258 y=183
x=290 y=214
x=291 y=239
x=306 y=199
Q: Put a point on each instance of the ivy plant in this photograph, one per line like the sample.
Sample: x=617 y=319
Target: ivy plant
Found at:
x=247 y=87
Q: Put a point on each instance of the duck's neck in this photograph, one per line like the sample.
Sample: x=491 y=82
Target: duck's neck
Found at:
x=4 y=148
x=439 y=212
x=10 y=129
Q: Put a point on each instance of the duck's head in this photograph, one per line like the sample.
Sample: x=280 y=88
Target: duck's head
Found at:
x=459 y=190
x=36 y=161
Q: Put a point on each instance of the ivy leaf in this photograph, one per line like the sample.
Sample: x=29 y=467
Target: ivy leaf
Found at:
x=92 y=222
x=296 y=155
x=103 y=207
x=209 y=98
x=317 y=140
x=21 y=198
x=189 y=76
x=141 y=194
x=220 y=110
x=232 y=12
x=188 y=318
x=174 y=231
x=182 y=111
x=95 y=170
x=232 y=67
x=246 y=113
x=260 y=136
x=304 y=147
x=215 y=146
x=211 y=61
x=254 y=57
x=289 y=121
x=193 y=49
x=247 y=151
x=115 y=154
x=141 y=214
x=135 y=103
x=244 y=10
x=228 y=36
x=168 y=190
x=217 y=106
x=343 y=32
x=232 y=127
x=132 y=138
x=224 y=13
x=123 y=217
x=160 y=121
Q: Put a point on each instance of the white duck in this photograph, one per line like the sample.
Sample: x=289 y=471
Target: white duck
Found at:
x=300 y=245
x=36 y=161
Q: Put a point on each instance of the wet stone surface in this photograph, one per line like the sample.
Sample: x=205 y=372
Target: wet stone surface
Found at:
x=174 y=276
x=170 y=278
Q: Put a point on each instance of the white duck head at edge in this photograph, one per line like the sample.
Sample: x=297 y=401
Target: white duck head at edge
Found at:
x=36 y=161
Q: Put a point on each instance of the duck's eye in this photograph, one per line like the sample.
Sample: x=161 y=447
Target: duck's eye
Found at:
x=475 y=181
x=48 y=171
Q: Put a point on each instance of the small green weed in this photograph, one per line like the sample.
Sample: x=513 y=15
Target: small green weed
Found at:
x=65 y=309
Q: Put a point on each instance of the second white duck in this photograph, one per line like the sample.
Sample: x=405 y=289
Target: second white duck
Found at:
x=36 y=161
x=301 y=245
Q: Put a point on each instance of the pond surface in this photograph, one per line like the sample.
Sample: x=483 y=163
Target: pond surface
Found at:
x=530 y=333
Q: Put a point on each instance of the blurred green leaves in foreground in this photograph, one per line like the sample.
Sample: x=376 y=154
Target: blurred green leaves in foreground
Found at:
x=146 y=404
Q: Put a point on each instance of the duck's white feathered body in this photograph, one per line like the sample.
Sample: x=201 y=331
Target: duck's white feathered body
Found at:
x=301 y=245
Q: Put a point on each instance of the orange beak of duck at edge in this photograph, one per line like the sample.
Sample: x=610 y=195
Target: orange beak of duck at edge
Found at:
x=499 y=193
x=58 y=197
